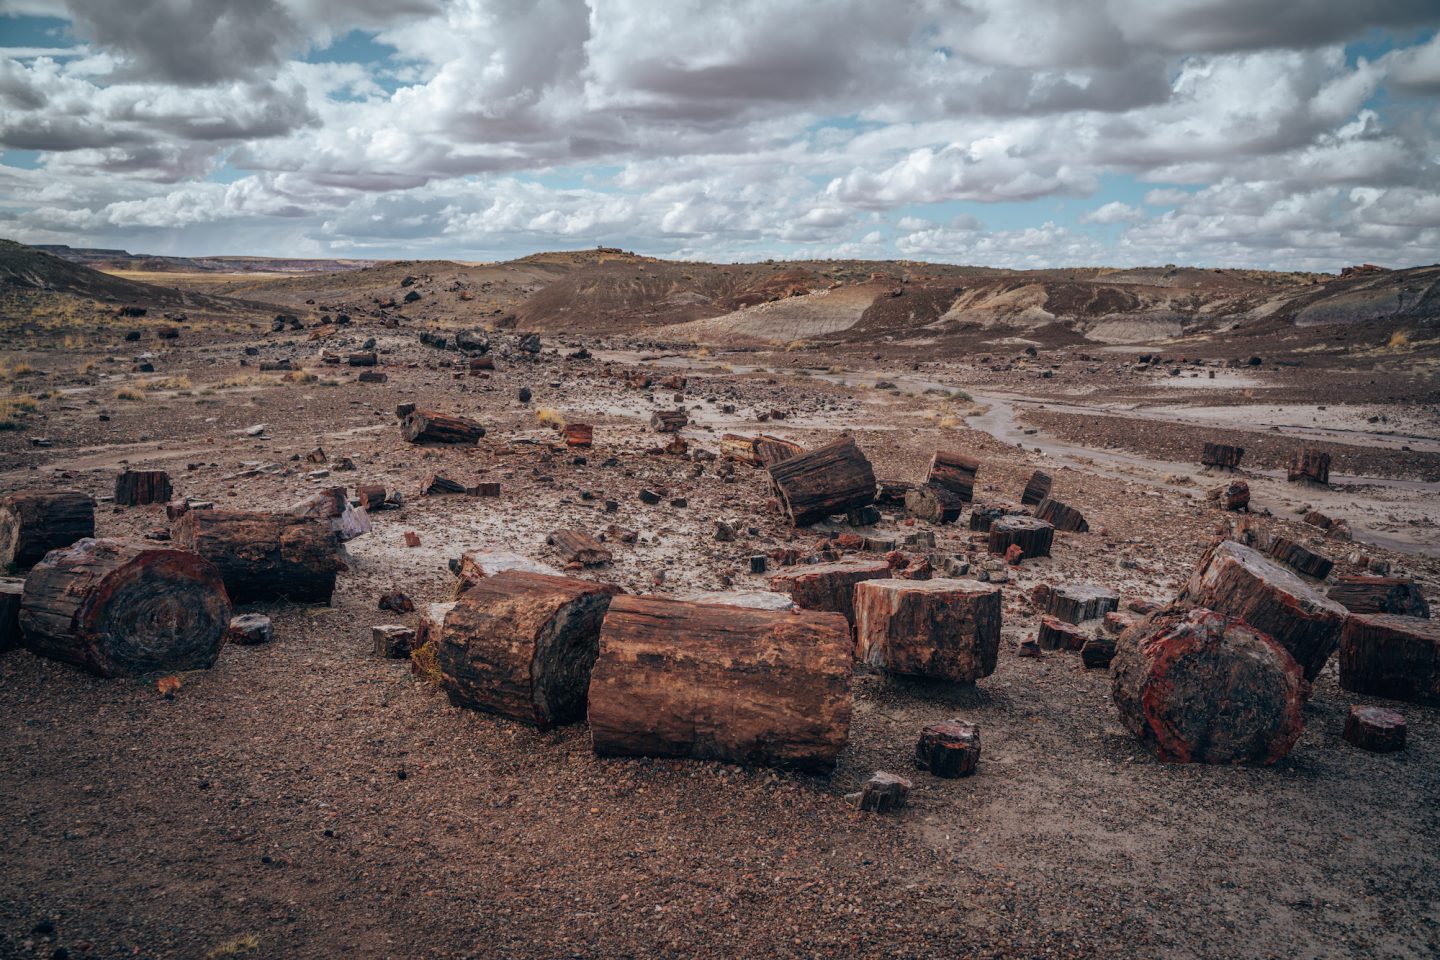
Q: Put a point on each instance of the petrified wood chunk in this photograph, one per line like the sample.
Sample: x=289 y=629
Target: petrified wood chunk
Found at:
x=264 y=556
x=711 y=682
x=1057 y=634
x=934 y=503
x=33 y=523
x=955 y=472
x=121 y=610
x=1233 y=496
x=772 y=450
x=669 y=421
x=1036 y=490
x=1310 y=466
x=1031 y=534
x=1076 y=602
x=984 y=515
x=1388 y=656
x=10 y=591
x=1380 y=595
x=1221 y=455
x=1237 y=581
x=579 y=434
x=1300 y=558
x=1196 y=686
x=949 y=750
x=429 y=426
x=891 y=493
x=827 y=480
x=1062 y=516
x=828 y=586
x=522 y=645
x=884 y=792
x=139 y=487
x=437 y=485
x=739 y=448
x=1375 y=729
x=577 y=546
x=249 y=629
x=1098 y=651
x=392 y=641
x=946 y=629
x=332 y=505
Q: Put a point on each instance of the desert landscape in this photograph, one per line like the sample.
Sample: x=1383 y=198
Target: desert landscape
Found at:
x=379 y=469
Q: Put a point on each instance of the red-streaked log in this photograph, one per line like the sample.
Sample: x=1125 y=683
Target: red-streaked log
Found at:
x=772 y=450
x=1375 y=729
x=949 y=750
x=1033 y=536
x=944 y=629
x=955 y=472
x=1037 y=489
x=579 y=434
x=32 y=523
x=1300 y=558
x=1057 y=634
x=1388 y=656
x=828 y=480
x=1309 y=465
x=1062 y=516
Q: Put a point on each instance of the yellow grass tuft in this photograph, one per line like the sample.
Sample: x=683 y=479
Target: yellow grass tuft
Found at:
x=301 y=376
x=550 y=417
x=167 y=383
x=129 y=393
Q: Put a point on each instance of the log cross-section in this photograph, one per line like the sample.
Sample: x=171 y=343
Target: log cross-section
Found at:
x=827 y=480
x=943 y=629
x=33 y=523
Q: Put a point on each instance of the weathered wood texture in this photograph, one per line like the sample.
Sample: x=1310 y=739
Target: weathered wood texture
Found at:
x=1375 y=729
x=577 y=546
x=772 y=450
x=1300 y=558
x=33 y=523
x=264 y=556
x=331 y=504
x=712 y=682
x=949 y=750
x=1233 y=496
x=984 y=515
x=1032 y=535
x=934 y=503
x=439 y=485
x=1221 y=455
x=10 y=591
x=1388 y=656
x=827 y=480
x=884 y=793
x=944 y=629
x=522 y=645
x=121 y=610
x=669 y=421
x=741 y=449
x=828 y=586
x=1309 y=465
x=1076 y=602
x=1237 y=581
x=429 y=426
x=1056 y=634
x=579 y=434
x=135 y=488
x=955 y=472
x=1360 y=594
x=1037 y=489
x=1061 y=516
x=891 y=493
x=1196 y=686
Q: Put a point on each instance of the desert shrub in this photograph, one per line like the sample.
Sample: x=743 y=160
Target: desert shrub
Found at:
x=129 y=393
x=550 y=417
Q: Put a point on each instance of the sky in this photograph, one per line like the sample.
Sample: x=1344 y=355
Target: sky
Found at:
x=1282 y=134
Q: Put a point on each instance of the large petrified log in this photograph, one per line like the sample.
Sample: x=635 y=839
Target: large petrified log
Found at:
x=955 y=472
x=1196 y=686
x=1031 y=535
x=1235 y=580
x=1380 y=595
x=121 y=610
x=135 y=488
x=1221 y=455
x=945 y=629
x=1388 y=656
x=429 y=426
x=264 y=556
x=713 y=682
x=1075 y=602
x=1300 y=558
x=934 y=503
x=828 y=586
x=1037 y=489
x=1062 y=516
x=827 y=480
x=1309 y=465
x=33 y=523
x=10 y=591
x=522 y=645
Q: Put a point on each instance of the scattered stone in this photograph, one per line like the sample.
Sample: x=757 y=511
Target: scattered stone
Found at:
x=949 y=750
x=883 y=793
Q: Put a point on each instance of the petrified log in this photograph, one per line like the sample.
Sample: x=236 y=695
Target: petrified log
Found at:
x=1196 y=686
x=828 y=586
x=121 y=610
x=713 y=682
x=1237 y=581
x=139 y=487
x=1375 y=729
x=579 y=434
x=10 y=591
x=1032 y=535
x=669 y=421
x=741 y=449
x=984 y=515
x=1317 y=519
x=1057 y=634
x=393 y=641
x=1062 y=516
x=772 y=450
x=332 y=505
x=479 y=365
x=1380 y=595
x=371 y=495
x=372 y=376
x=1310 y=466
x=891 y=493
x=1233 y=496
x=955 y=472
x=883 y=793
x=1076 y=602
x=522 y=645
x=949 y=750
x=1221 y=455
x=934 y=503
x=827 y=480
x=1388 y=656
x=577 y=546
x=478 y=564
x=437 y=484
x=33 y=523
x=428 y=426
x=264 y=556
x=1098 y=651
x=1037 y=489
x=1300 y=558
x=367 y=359
x=946 y=629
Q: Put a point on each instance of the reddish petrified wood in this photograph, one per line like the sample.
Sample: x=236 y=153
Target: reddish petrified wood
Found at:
x=1032 y=535
x=946 y=629
x=1237 y=581
x=1388 y=656
x=1233 y=496
x=579 y=434
x=10 y=591
x=1036 y=490
x=1075 y=602
x=522 y=645
x=828 y=586
x=33 y=523
x=1375 y=729
x=1057 y=634
x=669 y=421
x=714 y=682
x=934 y=503
x=955 y=472
x=1310 y=466
x=430 y=426
x=1221 y=455
x=827 y=480
x=577 y=546
x=1380 y=595
x=772 y=450
x=372 y=496
x=264 y=556
x=1300 y=558
x=1196 y=686
x=121 y=610
x=949 y=750
x=1061 y=516
x=135 y=488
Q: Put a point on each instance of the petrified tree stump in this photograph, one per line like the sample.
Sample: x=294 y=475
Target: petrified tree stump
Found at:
x=371 y=495
x=10 y=591
x=135 y=488
x=1196 y=686
x=1032 y=535
x=33 y=523
x=1375 y=729
x=1076 y=602
x=827 y=480
x=1388 y=656
x=429 y=426
x=955 y=472
x=1057 y=634
x=1237 y=581
x=1309 y=465
x=1221 y=455
x=949 y=750
x=1062 y=516
x=828 y=586
x=934 y=503
x=1380 y=595
x=263 y=556
x=120 y=610
x=713 y=682
x=1300 y=558
x=945 y=629
x=1036 y=490
x=522 y=645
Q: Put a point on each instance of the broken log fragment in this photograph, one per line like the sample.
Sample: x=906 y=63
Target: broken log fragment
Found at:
x=772 y=450
x=828 y=586
x=669 y=421
x=249 y=629
x=1037 y=489
x=1221 y=455
x=714 y=682
x=392 y=641
x=984 y=515
x=955 y=472
x=437 y=484
x=1233 y=496
x=1033 y=536
x=135 y=488
x=11 y=589
x=333 y=506
x=428 y=426
x=1057 y=634
x=1196 y=686
x=949 y=750
x=1309 y=465
x=825 y=481
x=884 y=793
x=1375 y=729
x=740 y=449
x=368 y=359
x=263 y=556
x=934 y=503
x=1360 y=594
x=944 y=629
x=1098 y=652
x=1300 y=558
x=33 y=523
x=891 y=493
x=1076 y=602
x=1062 y=516
x=579 y=434
x=577 y=546
x=522 y=645
x=1388 y=656
x=120 y=610
x=1237 y=581
x=371 y=496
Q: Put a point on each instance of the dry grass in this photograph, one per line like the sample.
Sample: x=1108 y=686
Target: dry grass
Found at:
x=1399 y=340
x=167 y=383
x=129 y=393
x=302 y=376
x=14 y=409
x=249 y=380
x=551 y=417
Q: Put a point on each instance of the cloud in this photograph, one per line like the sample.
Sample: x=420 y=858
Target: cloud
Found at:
x=1114 y=212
